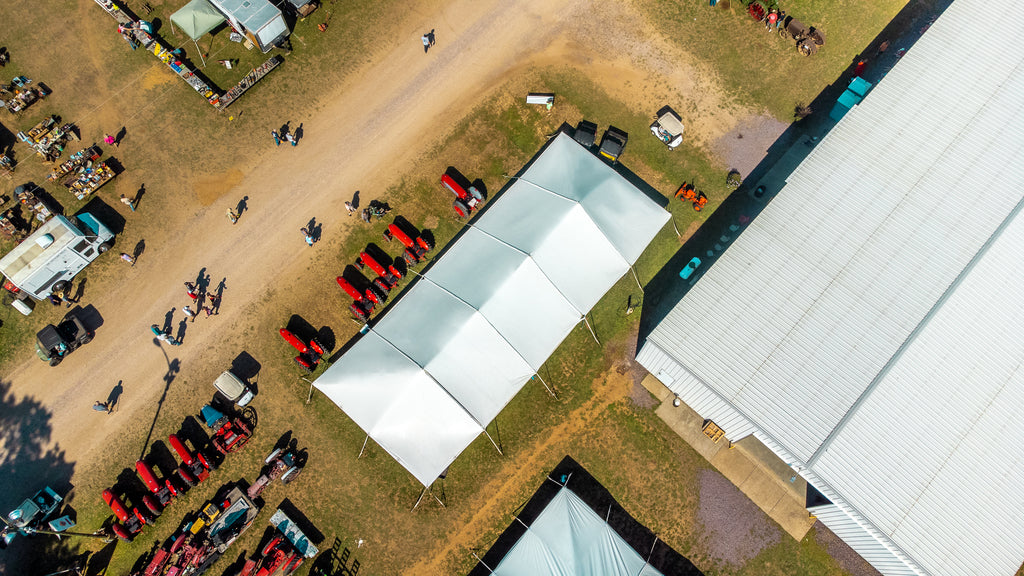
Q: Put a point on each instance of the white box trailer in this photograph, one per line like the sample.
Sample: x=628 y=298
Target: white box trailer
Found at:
x=50 y=257
x=260 y=20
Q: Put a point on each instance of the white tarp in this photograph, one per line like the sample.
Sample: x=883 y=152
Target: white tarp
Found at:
x=445 y=360
x=569 y=539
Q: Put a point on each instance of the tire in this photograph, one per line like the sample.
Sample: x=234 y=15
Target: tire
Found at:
x=56 y=360
x=178 y=543
x=461 y=208
x=151 y=505
x=85 y=339
x=61 y=286
x=103 y=247
x=475 y=193
x=121 y=533
x=359 y=313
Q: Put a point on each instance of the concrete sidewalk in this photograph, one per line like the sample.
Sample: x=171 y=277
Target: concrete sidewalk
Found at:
x=748 y=464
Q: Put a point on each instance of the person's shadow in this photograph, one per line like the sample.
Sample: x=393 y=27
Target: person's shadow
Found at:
x=298 y=133
x=139 y=194
x=140 y=247
x=80 y=291
x=355 y=199
x=285 y=128
x=182 y=326
x=168 y=320
x=114 y=396
x=120 y=135
x=242 y=206
x=315 y=232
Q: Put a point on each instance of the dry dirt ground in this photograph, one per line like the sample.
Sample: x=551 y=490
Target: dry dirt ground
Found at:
x=365 y=136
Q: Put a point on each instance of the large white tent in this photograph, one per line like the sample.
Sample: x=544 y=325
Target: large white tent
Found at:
x=438 y=367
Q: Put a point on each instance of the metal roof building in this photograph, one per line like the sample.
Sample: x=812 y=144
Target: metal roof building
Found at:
x=868 y=327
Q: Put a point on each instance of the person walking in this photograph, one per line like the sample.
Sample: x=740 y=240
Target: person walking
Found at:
x=128 y=202
x=189 y=313
x=101 y=407
x=232 y=215
x=350 y=208
x=308 y=237
x=128 y=258
x=290 y=138
x=277 y=138
x=428 y=40
x=192 y=291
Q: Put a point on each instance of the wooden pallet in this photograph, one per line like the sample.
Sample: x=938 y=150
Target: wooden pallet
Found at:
x=712 y=431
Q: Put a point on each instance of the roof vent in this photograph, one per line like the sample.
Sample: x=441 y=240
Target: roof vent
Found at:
x=44 y=240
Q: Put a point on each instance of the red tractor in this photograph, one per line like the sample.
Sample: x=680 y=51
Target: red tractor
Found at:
x=129 y=524
x=278 y=556
x=361 y=306
x=309 y=354
x=282 y=463
x=194 y=468
x=162 y=494
x=230 y=434
x=415 y=249
x=466 y=199
x=384 y=281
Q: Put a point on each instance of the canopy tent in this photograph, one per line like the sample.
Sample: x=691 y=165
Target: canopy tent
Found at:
x=196 y=19
x=448 y=356
x=572 y=526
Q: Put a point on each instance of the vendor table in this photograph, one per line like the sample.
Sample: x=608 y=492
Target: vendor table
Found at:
x=89 y=180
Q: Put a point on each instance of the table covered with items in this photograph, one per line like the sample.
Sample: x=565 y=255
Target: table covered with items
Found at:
x=88 y=178
x=48 y=138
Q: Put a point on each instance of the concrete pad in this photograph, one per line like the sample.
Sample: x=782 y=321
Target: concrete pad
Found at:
x=654 y=386
x=687 y=424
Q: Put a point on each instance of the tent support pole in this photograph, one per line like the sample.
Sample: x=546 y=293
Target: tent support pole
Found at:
x=198 y=49
x=438 y=500
x=587 y=322
x=310 y=397
x=647 y=560
x=493 y=442
x=546 y=387
x=637 y=279
x=422 y=493
x=361 y=450
x=481 y=561
x=674 y=227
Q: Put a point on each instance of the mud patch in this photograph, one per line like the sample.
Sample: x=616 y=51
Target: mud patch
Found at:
x=209 y=188
x=746 y=145
x=736 y=529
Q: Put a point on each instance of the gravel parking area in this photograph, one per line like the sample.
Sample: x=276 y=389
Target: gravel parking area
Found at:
x=736 y=530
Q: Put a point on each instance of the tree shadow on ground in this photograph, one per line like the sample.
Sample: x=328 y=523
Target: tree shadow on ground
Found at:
x=27 y=464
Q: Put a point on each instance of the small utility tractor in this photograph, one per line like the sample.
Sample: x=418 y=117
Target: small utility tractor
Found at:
x=194 y=468
x=162 y=494
x=466 y=199
x=282 y=463
x=415 y=248
x=277 y=557
x=309 y=354
x=361 y=306
x=230 y=434
x=687 y=193
x=128 y=525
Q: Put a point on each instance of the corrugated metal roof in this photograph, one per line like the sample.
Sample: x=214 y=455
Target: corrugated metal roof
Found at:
x=872 y=317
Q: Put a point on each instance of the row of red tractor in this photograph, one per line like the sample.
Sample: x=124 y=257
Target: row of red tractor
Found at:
x=365 y=302
x=230 y=434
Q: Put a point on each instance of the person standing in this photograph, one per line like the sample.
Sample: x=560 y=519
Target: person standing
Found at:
x=426 y=42
x=128 y=202
x=773 y=17
x=128 y=258
x=189 y=313
x=350 y=208
x=277 y=138
x=307 y=236
x=290 y=138
x=109 y=140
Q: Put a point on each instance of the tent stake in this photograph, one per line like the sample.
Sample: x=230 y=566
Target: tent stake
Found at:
x=546 y=387
x=637 y=279
x=364 y=447
x=587 y=322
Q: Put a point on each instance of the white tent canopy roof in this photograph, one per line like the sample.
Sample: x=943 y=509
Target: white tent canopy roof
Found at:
x=457 y=347
x=569 y=539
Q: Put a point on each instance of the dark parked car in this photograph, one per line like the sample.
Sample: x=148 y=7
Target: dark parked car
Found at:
x=53 y=343
x=612 y=143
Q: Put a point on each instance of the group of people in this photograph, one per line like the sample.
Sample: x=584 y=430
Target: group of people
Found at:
x=197 y=293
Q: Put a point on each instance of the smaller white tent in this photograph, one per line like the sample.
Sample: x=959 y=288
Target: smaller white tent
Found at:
x=445 y=360
x=569 y=539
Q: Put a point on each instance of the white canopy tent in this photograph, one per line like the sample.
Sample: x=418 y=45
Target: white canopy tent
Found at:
x=569 y=539
x=438 y=367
